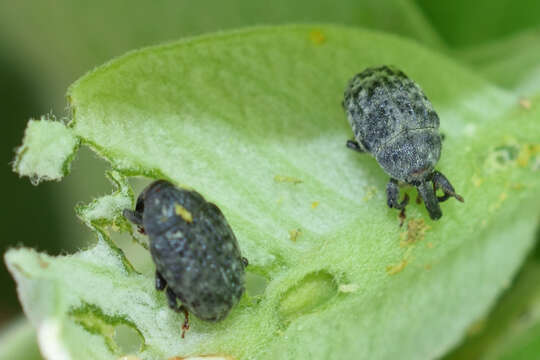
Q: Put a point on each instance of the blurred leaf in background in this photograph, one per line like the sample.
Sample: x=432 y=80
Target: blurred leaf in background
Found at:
x=463 y=23
x=21 y=202
x=58 y=41
x=512 y=329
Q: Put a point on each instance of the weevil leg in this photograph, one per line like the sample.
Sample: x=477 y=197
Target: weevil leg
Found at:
x=133 y=216
x=171 y=298
x=354 y=145
x=440 y=181
x=160 y=282
x=392 y=199
x=427 y=193
x=185 y=325
x=440 y=198
x=392 y=195
x=402 y=216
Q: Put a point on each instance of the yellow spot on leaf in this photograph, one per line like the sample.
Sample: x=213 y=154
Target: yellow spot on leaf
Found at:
x=525 y=103
x=526 y=152
x=314 y=204
x=370 y=192
x=416 y=231
x=289 y=179
x=397 y=268
x=477 y=180
x=513 y=154
x=294 y=234
x=428 y=267
x=42 y=263
x=183 y=213
x=502 y=197
x=317 y=37
x=429 y=245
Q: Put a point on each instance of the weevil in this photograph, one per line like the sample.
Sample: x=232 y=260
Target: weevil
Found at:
x=393 y=120
x=195 y=251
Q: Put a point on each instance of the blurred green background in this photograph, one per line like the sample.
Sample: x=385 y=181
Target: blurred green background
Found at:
x=45 y=45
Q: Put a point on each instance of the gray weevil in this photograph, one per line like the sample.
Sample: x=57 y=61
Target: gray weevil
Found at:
x=393 y=120
x=195 y=251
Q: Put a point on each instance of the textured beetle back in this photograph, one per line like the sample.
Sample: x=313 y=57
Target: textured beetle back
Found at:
x=195 y=251
x=382 y=103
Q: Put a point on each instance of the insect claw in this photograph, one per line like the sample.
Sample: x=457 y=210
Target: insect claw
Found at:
x=402 y=217
x=185 y=325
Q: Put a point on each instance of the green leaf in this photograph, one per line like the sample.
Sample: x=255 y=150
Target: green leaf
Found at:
x=235 y=115
x=512 y=62
x=468 y=23
x=18 y=340
x=512 y=328
x=47 y=151
x=92 y=33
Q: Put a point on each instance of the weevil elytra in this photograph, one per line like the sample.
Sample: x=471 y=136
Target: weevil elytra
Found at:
x=393 y=120
x=195 y=250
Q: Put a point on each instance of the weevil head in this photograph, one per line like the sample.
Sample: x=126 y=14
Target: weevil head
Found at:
x=149 y=191
x=421 y=174
x=136 y=216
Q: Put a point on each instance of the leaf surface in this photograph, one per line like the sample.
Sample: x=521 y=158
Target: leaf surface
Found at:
x=235 y=115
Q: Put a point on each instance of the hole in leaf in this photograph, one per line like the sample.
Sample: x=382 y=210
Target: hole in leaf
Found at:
x=501 y=157
x=308 y=295
x=127 y=339
x=139 y=183
x=120 y=334
x=506 y=153
x=137 y=255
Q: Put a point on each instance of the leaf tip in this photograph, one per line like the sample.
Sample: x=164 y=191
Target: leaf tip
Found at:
x=47 y=150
